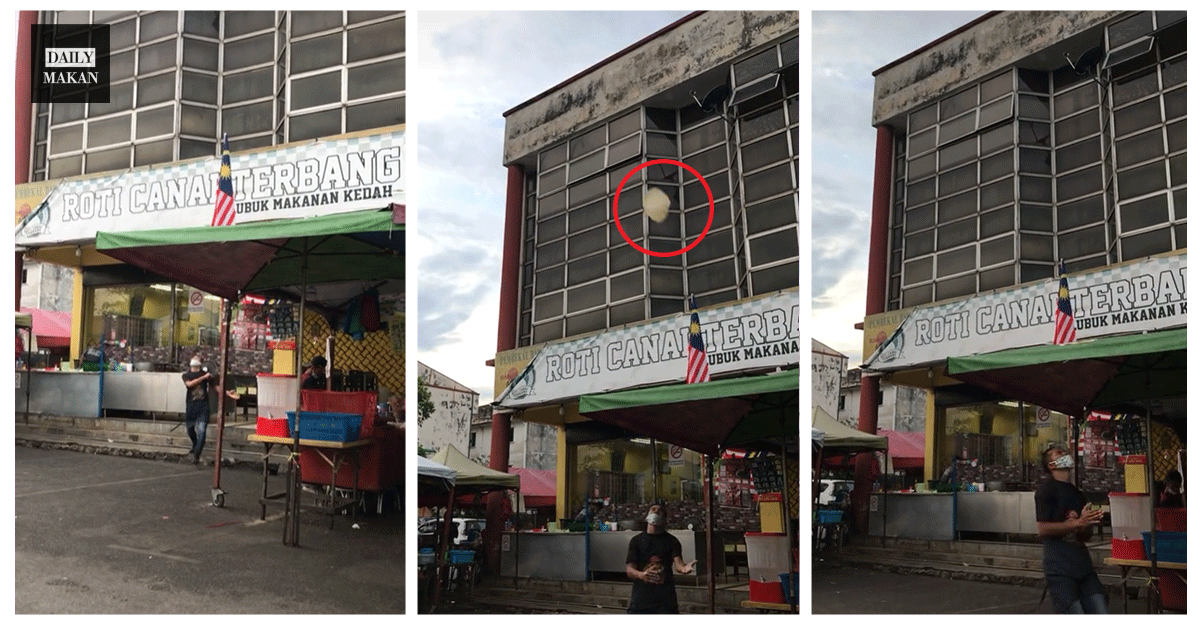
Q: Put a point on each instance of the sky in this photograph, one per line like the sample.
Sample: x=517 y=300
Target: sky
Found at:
x=470 y=68
x=846 y=48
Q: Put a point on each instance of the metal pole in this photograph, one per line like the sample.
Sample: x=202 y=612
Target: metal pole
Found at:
x=444 y=545
x=712 y=526
x=654 y=469
x=1153 y=524
x=295 y=504
x=218 y=498
x=517 y=541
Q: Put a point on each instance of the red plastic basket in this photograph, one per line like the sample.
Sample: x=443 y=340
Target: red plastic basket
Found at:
x=1128 y=550
x=272 y=427
x=1173 y=590
x=347 y=402
x=767 y=592
x=1171 y=519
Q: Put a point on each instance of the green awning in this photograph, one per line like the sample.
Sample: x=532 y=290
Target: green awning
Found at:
x=1082 y=375
x=708 y=416
x=361 y=246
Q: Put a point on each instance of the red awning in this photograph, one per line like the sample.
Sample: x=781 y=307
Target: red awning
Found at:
x=907 y=449
x=52 y=329
x=538 y=487
x=398 y=214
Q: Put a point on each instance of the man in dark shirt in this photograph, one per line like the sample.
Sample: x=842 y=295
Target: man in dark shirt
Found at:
x=314 y=375
x=1065 y=525
x=198 y=382
x=651 y=558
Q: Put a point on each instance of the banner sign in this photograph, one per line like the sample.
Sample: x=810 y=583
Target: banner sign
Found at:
x=1146 y=295
x=756 y=333
x=296 y=181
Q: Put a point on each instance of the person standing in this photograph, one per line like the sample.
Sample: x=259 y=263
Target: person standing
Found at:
x=1064 y=524
x=653 y=558
x=313 y=377
x=198 y=382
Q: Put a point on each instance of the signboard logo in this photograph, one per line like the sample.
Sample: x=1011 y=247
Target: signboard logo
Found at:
x=69 y=63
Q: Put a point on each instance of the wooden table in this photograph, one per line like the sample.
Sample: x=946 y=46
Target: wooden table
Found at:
x=333 y=452
x=1128 y=565
x=769 y=606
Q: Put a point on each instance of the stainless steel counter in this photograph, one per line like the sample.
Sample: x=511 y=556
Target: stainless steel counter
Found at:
x=560 y=555
x=932 y=515
x=60 y=393
x=77 y=393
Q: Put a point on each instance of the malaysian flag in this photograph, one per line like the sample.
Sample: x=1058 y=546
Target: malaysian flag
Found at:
x=1064 y=318
x=223 y=213
x=697 y=366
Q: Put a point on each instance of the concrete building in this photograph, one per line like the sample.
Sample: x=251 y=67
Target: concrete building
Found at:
x=287 y=87
x=454 y=407
x=531 y=445
x=1018 y=141
x=828 y=374
x=901 y=408
x=583 y=311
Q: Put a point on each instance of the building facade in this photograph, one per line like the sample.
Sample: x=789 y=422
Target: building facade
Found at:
x=531 y=445
x=454 y=407
x=1018 y=141
x=723 y=101
x=282 y=85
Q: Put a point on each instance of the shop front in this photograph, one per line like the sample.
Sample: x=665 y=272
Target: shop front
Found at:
x=139 y=326
x=631 y=435
x=1004 y=392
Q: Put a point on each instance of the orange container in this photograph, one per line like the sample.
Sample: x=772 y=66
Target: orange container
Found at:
x=272 y=427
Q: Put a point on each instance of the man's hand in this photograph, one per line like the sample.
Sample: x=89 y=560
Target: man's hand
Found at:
x=685 y=569
x=1089 y=517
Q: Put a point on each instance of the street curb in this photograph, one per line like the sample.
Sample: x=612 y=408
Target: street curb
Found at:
x=128 y=452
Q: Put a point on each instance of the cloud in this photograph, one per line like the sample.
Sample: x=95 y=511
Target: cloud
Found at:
x=848 y=46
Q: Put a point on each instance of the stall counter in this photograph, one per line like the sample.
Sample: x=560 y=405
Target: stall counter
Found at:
x=560 y=555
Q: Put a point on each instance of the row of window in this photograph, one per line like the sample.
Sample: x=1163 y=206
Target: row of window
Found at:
x=181 y=79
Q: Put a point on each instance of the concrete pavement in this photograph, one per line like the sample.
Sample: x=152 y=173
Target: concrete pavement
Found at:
x=838 y=588
x=108 y=534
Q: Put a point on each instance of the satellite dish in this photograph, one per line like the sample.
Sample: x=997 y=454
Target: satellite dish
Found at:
x=714 y=99
x=1088 y=60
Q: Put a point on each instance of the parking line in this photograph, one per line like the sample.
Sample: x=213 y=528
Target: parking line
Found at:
x=87 y=486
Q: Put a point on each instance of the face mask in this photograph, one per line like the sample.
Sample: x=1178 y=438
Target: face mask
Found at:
x=1062 y=462
x=654 y=519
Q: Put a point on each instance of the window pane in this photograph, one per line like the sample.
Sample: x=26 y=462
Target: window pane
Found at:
x=153 y=153
x=588 y=216
x=1082 y=242
x=588 y=242
x=958 y=103
x=923 y=118
x=313 y=54
x=1036 y=133
x=956 y=128
x=1078 y=155
x=198 y=121
x=586 y=269
x=776 y=278
x=1076 y=100
x=759 y=154
x=995 y=194
x=1034 y=107
x=711 y=277
x=376 y=40
x=922 y=142
x=996 y=222
x=957 y=180
x=919 y=218
x=548 y=306
x=957 y=154
x=239 y=23
x=1081 y=212
x=956 y=207
x=314 y=91
x=1137 y=117
x=374 y=115
x=1142 y=180
x=1034 y=161
x=759 y=124
x=66 y=139
x=1082 y=125
x=1146 y=244
x=1036 y=189
x=1139 y=85
x=311 y=125
x=922 y=192
x=956 y=233
x=115 y=159
x=955 y=262
x=156 y=122
x=995 y=139
x=627 y=148
x=1144 y=213
x=956 y=287
x=922 y=167
x=1140 y=147
x=917 y=244
x=996 y=278
x=158 y=24
x=248 y=85
x=995 y=87
x=996 y=166
x=158 y=89
x=253 y=51
x=1079 y=183
x=996 y=251
x=626 y=286
x=200 y=55
x=307 y=22
x=156 y=57
x=201 y=87
x=769 y=182
x=1037 y=217
x=919 y=270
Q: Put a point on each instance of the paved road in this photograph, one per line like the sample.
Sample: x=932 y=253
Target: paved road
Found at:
x=840 y=589
x=106 y=534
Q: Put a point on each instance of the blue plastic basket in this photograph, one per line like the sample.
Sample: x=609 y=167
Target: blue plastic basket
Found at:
x=829 y=516
x=1171 y=546
x=791 y=587
x=330 y=426
x=458 y=557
